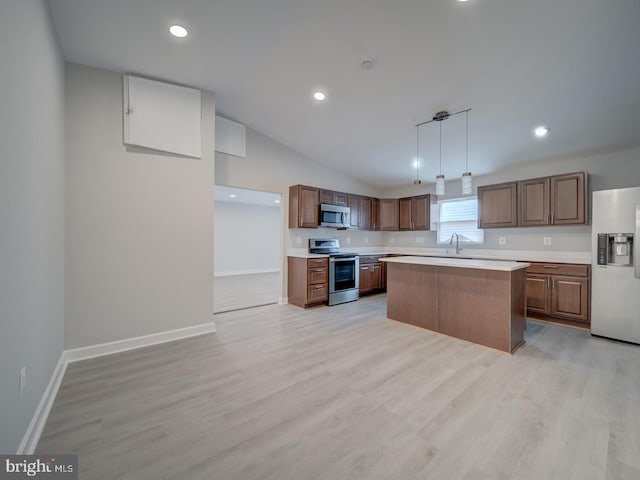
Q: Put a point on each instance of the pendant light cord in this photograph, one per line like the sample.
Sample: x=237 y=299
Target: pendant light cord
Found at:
x=466 y=162
x=440 y=148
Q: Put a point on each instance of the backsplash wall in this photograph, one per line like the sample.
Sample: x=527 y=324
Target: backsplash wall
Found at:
x=565 y=239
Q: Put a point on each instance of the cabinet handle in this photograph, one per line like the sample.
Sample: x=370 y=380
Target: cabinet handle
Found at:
x=552 y=218
x=300 y=220
x=548 y=282
x=551 y=266
x=553 y=283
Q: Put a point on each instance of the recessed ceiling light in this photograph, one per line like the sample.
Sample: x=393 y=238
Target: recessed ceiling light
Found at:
x=233 y=195
x=276 y=201
x=416 y=164
x=178 y=31
x=319 y=95
x=541 y=131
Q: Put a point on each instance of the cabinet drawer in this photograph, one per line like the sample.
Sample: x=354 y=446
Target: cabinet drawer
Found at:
x=559 y=269
x=365 y=259
x=317 y=293
x=317 y=275
x=317 y=262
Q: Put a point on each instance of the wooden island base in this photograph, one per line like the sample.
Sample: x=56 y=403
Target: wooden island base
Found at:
x=482 y=306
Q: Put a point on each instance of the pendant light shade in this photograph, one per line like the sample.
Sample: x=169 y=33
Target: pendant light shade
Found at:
x=467 y=184
x=440 y=185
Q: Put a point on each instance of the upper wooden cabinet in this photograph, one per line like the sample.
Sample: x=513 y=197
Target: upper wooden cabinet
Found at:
x=387 y=215
x=557 y=200
x=304 y=205
x=333 y=198
x=498 y=205
x=569 y=199
x=354 y=210
x=414 y=213
x=365 y=213
x=534 y=202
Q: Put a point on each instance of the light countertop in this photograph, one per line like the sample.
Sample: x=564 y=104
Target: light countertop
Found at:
x=582 y=258
x=499 y=265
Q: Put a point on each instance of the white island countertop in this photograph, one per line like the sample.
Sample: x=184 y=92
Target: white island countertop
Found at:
x=499 y=265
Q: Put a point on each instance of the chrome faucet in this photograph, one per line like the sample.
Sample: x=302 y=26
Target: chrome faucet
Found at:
x=458 y=248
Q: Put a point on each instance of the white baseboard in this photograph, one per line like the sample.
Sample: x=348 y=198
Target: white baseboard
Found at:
x=39 y=419
x=246 y=272
x=283 y=300
x=92 y=351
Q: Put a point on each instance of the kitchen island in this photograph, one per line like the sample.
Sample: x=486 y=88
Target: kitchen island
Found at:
x=481 y=301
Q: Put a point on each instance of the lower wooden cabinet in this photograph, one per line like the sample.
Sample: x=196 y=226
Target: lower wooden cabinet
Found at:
x=559 y=292
x=308 y=281
x=372 y=274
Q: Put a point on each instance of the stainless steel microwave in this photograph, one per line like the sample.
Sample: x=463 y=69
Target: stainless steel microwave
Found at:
x=334 y=216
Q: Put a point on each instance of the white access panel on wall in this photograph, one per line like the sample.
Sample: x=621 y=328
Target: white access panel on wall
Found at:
x=230 y=137
x=162 y=116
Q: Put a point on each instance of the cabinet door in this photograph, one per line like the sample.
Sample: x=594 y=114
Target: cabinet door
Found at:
x=388 y=214
x=570 y=298
x=568 y=199
x=533 y=197
x=539 y=294
x=340 y=198
x=304 y=204
x=497 y=205
x=405 y=216
x=421 y=207
x=376 y=276
x=354 y=211
x=309 y=204
x=375 y=214
x=327 y=196
x=364 y=215
x=365 y=278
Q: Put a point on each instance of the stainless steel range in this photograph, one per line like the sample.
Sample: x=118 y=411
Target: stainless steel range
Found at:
x=344 y=270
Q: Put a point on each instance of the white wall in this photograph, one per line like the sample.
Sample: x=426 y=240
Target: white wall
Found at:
x=247 y=238
x=32 y=211
x=607 y=170
x=272 y=167
x=139 y=226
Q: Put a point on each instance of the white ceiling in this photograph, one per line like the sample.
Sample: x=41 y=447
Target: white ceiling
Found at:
x=573 y=65
x=245 y=196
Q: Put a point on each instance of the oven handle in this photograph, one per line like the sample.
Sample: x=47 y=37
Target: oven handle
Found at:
x=342 y=259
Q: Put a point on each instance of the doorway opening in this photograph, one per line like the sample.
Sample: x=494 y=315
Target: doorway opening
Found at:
x=247 y=248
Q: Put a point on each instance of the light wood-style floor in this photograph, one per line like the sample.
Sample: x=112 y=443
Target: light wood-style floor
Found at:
x=235 y=292
x=341 y=392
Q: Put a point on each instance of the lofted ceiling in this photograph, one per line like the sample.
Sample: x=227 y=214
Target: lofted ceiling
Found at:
x=572 y=65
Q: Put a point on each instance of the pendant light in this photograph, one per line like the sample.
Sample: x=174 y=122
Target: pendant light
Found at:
x=417 y=181
x=440 y=178
x=467 y=187
x=466 y=176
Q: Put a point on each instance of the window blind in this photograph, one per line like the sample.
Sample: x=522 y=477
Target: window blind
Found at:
x=459 y=215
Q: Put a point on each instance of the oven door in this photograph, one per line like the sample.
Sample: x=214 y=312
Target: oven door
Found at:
x=343 y=274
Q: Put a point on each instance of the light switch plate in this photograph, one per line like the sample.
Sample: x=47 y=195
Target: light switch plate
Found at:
x=502 y=240
x=547 y=240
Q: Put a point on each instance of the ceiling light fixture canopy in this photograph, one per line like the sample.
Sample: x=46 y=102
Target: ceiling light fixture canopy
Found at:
x=466 y=176
x=541 y=131
x=319 y=95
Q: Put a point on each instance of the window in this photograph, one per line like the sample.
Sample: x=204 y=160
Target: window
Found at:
x=459 y=215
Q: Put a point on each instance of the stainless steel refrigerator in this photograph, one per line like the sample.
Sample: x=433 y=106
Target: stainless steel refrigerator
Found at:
x=615 y=288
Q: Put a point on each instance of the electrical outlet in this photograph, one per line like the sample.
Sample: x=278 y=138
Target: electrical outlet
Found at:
x=298 y=239
x=419 y=239
x=348 y=239
x=23 y=379
x=547 y=240
x=391 y=240
x=502 y=240
x=366 y=239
